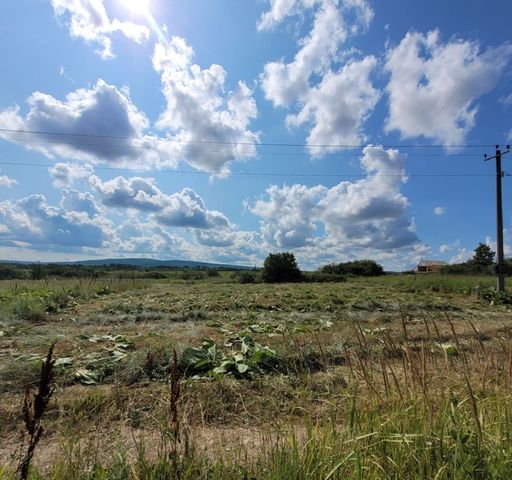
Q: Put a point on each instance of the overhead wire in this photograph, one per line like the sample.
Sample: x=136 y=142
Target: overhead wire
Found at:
x=253 y=174
x=223 y=142
x=238 y=173
x=327 y=154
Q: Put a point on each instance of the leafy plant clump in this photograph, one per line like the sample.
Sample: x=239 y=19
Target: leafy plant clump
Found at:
x=28 y=309
x=242 y=357
x=493 y=297
x=90 y=368
x=247 y=277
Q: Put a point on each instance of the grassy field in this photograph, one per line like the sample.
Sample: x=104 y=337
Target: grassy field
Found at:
x=399 y=377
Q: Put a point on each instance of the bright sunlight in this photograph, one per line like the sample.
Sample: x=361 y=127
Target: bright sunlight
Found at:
x=137 y=7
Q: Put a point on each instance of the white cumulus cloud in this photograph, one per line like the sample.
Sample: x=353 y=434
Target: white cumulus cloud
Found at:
x=338 y=107
x=368 y=213
x=180 y=209
x=280 y=9
x=433 y=85
x=76 y=201
x=66 y=174
x=97 y=125
x=333 y=99
x=151 y=238
x=444 y=248
x=89 y=20
x=463 y=255
x=285 y=83
x=207 y=126
x=289 y=214
x=32 y=221
x=6 y=181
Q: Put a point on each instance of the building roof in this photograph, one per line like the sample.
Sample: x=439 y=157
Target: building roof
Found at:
x=433 y=263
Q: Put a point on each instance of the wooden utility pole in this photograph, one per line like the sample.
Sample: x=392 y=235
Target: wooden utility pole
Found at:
x=500 y=258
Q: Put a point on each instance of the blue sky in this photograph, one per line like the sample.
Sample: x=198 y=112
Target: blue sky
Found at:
x=224 y=130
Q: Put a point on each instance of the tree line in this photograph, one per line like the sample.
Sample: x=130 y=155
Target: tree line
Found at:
x=283 y=267
x=278 y=267
x=482 y=263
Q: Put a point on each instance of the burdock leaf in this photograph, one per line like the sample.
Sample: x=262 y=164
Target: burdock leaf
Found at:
x=86 y=377
x=242 y=367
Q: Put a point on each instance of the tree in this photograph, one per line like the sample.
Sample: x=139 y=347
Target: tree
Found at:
x=483 y=256
x=37 y=272
x=281 y=267
x=359 y=268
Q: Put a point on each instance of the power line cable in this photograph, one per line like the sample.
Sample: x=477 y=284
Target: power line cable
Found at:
x=219 y=142
x=327 y=154
x=204 y=172
x=256 y=174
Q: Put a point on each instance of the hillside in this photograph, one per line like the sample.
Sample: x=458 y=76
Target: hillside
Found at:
x=140 y=262
x=150 y=262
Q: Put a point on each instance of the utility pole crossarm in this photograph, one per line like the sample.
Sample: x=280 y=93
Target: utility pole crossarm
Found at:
x=498 y=152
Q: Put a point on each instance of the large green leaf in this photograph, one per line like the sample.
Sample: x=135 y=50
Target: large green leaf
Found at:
x=64 y=362
x=202 y=358
x=86 y=377
x=239 y=357
x=224 y=367
x=242 y=367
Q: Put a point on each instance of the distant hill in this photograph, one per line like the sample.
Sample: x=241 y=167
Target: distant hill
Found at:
x=141 y=262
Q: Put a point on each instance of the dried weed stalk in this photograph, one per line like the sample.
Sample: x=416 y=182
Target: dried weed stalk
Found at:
x=33 y=410
x=174 y=420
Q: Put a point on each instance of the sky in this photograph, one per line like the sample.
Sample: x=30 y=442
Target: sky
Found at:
x=226 y=130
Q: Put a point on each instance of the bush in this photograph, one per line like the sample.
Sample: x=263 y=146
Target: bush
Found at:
x=37 y=272
x=281 y=267
x=247 y=277
x=155 y=275
x=212 y=272
x=319 y=277
x=8 y=272
x=497 y=298
x=472 y=268
x=30 y=310
x=359 y=268
x=192 y=275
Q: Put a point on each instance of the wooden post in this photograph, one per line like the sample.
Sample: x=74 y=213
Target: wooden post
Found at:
x=500 y=258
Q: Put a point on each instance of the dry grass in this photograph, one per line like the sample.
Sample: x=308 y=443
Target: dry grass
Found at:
x=363 y=371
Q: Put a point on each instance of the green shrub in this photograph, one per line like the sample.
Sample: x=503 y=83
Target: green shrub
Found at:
x=8 y=272
x=247 y=277
x=104 y=290
x=281 y=267
x=319 y=277
x=192 y=275
x=466 y=268
x=155 y=275
x=359 y=268
x=497 y=298
x=26 y=309
x=37 y=272
x=472 y=268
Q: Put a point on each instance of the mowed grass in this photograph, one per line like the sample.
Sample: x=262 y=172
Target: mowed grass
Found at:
x=392 y=377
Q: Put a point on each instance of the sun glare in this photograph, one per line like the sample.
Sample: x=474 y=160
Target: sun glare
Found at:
x=137 y=7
